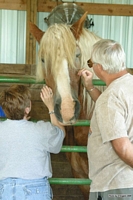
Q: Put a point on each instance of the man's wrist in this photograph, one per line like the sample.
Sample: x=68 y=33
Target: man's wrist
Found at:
x=90 y=89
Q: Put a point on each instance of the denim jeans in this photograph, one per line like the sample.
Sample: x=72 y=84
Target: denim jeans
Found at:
x=24 y=189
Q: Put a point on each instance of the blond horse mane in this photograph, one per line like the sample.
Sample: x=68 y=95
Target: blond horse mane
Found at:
x=86 y=42
x=56 y=44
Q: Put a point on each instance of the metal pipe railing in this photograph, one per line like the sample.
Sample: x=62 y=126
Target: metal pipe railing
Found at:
x=78 y=123
x=24 y=80
x=81 y=149
x=31 y=80
x=70 y=181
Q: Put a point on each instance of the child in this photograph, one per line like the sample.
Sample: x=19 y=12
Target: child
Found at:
x=25 y=146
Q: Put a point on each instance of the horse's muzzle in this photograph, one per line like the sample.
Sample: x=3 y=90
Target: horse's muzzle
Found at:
x=67 y=116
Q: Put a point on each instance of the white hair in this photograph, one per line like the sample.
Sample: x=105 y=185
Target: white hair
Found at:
x=110 y=55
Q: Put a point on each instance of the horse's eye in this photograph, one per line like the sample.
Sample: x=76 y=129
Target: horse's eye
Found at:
x=42 y=60
x=78 y=55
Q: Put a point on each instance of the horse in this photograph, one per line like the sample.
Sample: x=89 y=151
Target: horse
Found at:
x=63 y=51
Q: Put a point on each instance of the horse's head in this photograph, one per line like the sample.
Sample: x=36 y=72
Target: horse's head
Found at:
x=59 y=61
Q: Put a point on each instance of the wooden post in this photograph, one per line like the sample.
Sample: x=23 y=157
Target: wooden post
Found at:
x=30 y=41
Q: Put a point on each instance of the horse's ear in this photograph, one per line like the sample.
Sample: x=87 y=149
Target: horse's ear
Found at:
x=76 y=28
x=35 y=31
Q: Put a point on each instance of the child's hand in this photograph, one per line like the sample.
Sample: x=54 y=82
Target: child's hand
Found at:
x=47 y=97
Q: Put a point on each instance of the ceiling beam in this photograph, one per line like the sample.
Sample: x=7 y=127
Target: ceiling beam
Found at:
x=92 y=8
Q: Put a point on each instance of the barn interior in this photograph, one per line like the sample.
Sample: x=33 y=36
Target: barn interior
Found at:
x=18 y=59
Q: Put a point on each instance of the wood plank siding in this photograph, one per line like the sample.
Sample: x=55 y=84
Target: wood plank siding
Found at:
x=92 y=8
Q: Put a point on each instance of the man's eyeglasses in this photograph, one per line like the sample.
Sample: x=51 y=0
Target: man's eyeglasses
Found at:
x=90 y=63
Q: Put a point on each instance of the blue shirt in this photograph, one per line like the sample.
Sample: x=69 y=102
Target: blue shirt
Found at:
x=2 y=114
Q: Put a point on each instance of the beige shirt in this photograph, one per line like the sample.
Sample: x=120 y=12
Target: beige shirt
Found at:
x=112 y=118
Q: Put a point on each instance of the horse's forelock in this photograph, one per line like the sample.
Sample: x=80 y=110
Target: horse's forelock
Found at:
x=57 y=43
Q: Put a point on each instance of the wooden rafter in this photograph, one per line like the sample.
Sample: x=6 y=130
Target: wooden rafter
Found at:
x=92 y=8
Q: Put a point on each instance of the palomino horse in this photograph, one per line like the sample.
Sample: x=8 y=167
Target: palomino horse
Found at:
x=64 y=50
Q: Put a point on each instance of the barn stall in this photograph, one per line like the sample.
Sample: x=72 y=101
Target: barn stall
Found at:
x=18 y=57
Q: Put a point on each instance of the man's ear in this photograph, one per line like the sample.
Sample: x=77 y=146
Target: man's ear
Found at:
x=102 y=71
x=100 y=67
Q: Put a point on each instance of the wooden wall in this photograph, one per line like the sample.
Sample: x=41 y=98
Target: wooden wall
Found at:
x=48 y=5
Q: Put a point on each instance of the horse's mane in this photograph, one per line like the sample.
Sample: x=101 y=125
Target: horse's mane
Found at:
x=57 y=43
x=86 y=42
